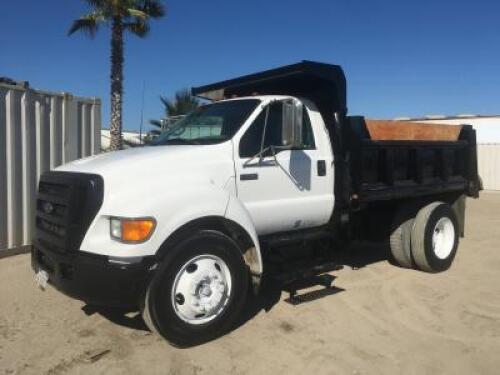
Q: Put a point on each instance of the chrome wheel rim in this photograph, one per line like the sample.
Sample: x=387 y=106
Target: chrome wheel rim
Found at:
x=201 y=289
x=443 y=238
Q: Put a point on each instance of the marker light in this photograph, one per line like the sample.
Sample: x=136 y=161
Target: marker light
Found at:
x=131 y=230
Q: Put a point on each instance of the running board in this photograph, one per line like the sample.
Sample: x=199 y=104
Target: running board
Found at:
x=297 y=299
x=288 y=277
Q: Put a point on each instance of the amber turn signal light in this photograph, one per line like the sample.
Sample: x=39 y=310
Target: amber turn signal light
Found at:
x=131 y=230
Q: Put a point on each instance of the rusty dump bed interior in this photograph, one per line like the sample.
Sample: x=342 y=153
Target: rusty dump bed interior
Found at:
x=387 y=130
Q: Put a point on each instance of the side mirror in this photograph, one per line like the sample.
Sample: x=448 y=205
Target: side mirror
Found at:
x=291 y=127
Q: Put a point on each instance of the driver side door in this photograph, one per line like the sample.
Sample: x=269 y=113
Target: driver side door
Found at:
x=282 y=191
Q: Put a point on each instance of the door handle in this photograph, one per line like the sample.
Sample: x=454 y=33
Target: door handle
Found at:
x=249 y=176
x=321 y=168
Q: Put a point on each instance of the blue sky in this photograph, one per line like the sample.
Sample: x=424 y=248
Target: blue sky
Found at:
x=401 y=58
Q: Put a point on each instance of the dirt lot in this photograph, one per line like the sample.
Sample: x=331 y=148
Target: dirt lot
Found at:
x=387 y=321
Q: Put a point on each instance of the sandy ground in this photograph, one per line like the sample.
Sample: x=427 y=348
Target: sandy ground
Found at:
x=387 y=321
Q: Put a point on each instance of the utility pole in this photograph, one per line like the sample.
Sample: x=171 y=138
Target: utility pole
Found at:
x=142 y=112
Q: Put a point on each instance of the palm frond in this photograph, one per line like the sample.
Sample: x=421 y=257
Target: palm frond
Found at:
x=157 y=123
x=185 y=102
x=153 y=8
x=165 y=101
x=88 y=24
x=182 y=104
x=96 y=4
x=171 y=109
x=107 y=8
x=137 y=13
x=139 y=28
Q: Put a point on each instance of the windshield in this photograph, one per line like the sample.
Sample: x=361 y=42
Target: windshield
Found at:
x=209 y=124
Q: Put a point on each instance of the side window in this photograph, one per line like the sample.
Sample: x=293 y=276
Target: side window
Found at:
x=251 y=141
x=307 y=132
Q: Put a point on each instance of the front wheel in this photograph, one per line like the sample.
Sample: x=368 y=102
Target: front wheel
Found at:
x=199 y=289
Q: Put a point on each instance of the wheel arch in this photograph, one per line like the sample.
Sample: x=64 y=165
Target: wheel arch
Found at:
x=249 y=246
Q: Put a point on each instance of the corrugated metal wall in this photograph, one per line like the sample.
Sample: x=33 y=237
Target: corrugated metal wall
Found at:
x=38 y=131
x=488 y=159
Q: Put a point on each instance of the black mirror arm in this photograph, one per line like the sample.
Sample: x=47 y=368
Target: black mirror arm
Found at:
x=262 y=139
x=274 y=150
x=258 y=155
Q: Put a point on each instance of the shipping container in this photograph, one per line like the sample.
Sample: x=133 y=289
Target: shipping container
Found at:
x=39 y=130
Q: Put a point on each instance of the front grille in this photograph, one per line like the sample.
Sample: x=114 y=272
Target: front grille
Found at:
x=67 y=202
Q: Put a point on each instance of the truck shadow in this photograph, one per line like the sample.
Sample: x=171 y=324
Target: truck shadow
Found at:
x=360 y=255
x=355 y=257
x=129 y=318
x=272 y=288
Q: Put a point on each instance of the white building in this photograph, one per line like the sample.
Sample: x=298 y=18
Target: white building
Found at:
x=129 y=138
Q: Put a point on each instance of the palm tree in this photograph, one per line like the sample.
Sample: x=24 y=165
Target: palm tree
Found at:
x=182 y=104
x=121 y=15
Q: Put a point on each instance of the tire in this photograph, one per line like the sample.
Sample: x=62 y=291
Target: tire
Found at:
x=198 y=290
x=434 y=239
x=400 y=240
x=146 y=313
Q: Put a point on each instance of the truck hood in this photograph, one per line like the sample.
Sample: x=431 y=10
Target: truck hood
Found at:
x=160 y=165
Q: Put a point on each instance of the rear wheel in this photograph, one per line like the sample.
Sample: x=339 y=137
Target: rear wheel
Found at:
x=198 y=290
x=434 y=239
x=400 y=240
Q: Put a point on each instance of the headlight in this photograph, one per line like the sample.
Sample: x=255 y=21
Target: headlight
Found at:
x=131 y=230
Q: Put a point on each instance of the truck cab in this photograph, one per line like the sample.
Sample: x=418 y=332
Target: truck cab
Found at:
x=177 y=228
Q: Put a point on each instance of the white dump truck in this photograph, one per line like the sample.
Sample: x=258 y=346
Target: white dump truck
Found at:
x=179 y=229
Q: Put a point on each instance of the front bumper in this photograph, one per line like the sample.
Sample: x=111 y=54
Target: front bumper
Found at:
x=93 y=279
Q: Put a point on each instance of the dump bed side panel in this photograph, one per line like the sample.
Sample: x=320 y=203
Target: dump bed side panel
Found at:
x=388 y=168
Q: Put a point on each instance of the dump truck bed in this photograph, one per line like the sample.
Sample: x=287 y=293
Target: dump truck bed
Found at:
x=396 y=159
